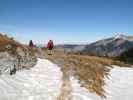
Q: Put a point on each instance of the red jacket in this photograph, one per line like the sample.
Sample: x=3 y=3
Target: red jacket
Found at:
x=50 y=45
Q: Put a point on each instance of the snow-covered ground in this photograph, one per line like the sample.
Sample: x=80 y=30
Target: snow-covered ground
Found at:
x=43 y=82
x=120 y=84
x=81 y=93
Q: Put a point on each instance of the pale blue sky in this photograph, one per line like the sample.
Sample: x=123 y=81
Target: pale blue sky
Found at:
x=65 y=21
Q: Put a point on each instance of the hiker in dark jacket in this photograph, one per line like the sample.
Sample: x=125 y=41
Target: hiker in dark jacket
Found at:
x=31 y=43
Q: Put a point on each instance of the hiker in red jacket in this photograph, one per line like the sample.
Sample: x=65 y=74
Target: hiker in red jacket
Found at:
x=50 y=46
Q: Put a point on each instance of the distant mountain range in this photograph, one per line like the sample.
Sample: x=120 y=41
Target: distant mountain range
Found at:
x=111 y=47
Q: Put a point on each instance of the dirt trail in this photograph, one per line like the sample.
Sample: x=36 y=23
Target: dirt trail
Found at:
x=66 y=88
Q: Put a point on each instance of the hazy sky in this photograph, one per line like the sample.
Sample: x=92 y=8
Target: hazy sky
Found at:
x=65 y=21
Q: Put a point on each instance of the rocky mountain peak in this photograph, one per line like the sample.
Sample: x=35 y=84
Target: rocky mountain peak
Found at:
x=120 y=36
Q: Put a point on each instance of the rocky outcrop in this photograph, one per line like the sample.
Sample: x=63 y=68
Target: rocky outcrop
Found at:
x=15 y=55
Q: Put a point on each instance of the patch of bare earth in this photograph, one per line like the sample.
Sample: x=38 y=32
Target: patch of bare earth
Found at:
x=66 y=88
x=90 y=70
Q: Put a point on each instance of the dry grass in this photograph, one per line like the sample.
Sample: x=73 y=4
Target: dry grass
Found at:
x=90 y=70
x=5 y=40
x=11 y=45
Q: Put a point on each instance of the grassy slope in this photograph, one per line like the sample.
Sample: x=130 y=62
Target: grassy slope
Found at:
x=90 y=70
x=24 y=54
x=10 y=45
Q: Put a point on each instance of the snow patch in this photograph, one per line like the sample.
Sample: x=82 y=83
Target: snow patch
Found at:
x=81 y=93
x=42 y=82
x=119 y=86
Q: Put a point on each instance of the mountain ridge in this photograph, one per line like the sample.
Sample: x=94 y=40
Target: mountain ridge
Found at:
x=110 y=47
